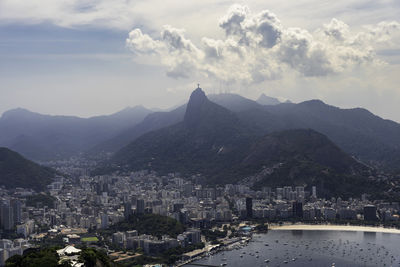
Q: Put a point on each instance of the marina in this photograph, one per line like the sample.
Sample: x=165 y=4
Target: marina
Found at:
x=311 y=248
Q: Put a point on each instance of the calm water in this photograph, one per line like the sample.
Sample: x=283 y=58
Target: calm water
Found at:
x=313 y=248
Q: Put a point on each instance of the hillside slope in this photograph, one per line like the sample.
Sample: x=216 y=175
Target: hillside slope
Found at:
x=16 y=171
x=44 y=137
x=213 y=141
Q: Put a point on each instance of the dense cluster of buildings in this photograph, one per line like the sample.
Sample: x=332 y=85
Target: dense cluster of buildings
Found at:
x=151 y=245
x=9 y=248
x=85 y=202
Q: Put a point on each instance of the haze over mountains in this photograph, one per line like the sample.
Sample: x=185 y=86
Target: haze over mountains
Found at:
x=44 y=137
x=356 y=131
x=217 y=143
x=267 y=100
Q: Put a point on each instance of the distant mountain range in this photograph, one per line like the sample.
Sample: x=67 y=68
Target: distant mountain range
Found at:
x=16 y=171
x=151 y=122
x=267 y=100
x=358 y=132
x=225 y=148
x=44 y=137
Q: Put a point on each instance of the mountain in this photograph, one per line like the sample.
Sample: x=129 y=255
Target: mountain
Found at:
x=306 y=157
x=44 y=137
x=151 y=122
x=215 y=142
x=158 y=120
x=267 y=100
x=357 y=131
x=207 y=131
x=234 y=102
x=16 y=171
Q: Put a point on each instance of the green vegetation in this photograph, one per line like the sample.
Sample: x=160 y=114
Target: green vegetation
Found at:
x=51 y=241
x=213 y=235
x=40 y=200
x=16 y=171
x=92 y=258
x=150 y=224
x=48 y=257
x=36 y=258
x=89 y=239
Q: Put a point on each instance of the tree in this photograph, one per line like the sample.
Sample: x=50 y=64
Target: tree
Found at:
x=36 y=258
x=88 y=256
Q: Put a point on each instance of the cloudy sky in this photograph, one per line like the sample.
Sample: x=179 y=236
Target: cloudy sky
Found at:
x=89 y=57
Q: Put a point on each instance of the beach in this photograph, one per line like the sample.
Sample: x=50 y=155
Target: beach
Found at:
x=329 y=227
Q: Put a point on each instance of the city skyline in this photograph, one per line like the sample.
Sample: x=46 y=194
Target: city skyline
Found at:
x=199 y=133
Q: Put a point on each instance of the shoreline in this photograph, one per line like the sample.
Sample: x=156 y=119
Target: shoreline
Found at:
x=333 y=227
x=303 y=227
x=230 y=245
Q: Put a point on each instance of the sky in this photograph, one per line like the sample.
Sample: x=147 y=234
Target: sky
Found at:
x=91 y=57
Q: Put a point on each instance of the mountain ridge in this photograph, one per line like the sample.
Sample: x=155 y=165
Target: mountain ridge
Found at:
x=17 y=171
x=267 y=100
x=46 y=137
x=357 y=131
x=211 y=140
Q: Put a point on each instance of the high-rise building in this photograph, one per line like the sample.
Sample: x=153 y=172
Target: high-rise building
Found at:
x=314 y=192
x=6 y=212
x=127 y=210
x=187 y=189
x=300 y=191
x=279 y=193
x=267 y=190
x=16 y=206
x=286 y=191
x=140 y=206
x=104 y=220
x=297 y=208
x=249 y=207
x=370 y=213
x=193 y=236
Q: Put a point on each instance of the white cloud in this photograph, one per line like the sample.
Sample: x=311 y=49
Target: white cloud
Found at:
x=337 y=30
x=385 y=34
x=257 y=47
x=124 y=14
x=70 y=13
x=172 y=50
x=339 y=61
x=142 y=43
x=232 y=21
